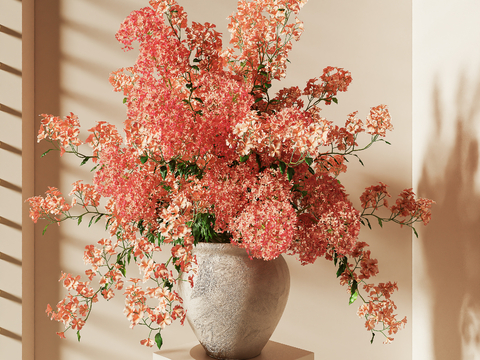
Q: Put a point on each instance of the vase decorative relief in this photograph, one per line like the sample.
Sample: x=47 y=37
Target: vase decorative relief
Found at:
x=236 y=302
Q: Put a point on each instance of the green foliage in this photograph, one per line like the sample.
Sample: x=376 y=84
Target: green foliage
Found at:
x=84 y=161
x=163 y=171
x=159 y=340
x=353 y=297
x=187 y=169
x=143 y=159
x=202 y=228
x=46 y=152
x=342 y=266
x=172 y=165
x=290 y=173
x=353 y=292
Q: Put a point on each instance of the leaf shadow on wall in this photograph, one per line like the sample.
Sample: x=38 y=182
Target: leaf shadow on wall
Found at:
x=451 y=242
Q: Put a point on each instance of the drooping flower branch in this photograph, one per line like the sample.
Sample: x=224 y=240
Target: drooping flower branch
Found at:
x=208 y=155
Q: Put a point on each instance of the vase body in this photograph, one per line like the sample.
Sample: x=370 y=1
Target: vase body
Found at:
x=235 y=303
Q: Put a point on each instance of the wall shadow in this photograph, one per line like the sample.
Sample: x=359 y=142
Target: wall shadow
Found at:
x=10 y=334
x=451 y=242
x=47 y=101
x=6 y=30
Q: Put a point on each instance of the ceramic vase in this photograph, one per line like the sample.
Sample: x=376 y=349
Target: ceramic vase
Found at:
x=236 y=302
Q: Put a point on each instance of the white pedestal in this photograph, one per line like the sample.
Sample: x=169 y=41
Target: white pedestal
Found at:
x=272 y=351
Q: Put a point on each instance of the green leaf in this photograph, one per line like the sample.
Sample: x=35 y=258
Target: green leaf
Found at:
x=267 y=86
x=98 y=218
x=373 y=337
x=163 y=171
x=140 y=227
x=335 y=100
x=353 y=297
x=143 y=159
x=123 y=270
x=46 y=152
x=151 y=238
x=168 y=285
x=311 y=170
x=415 y=232
x=172 y=164
x=78 y=335
x=309 y=161
x=124 y=100
x=44 y=229
x=196 y=60
x=80 y=218
x=354 y=287
x=91 y=221
x=264 y=73
x=195 y=67
x=342 y=267
x=380 y=222
x=261 y=66
x=258 y=100
x=188 y=86
x=244 y=158
x=108 y=223
x=283 y=166
x=85 y=160
x=199 y=100
x=368 y=223
x=290 y=173
x=258 y=159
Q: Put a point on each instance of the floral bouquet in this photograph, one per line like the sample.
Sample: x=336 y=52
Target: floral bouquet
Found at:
x=209 y=155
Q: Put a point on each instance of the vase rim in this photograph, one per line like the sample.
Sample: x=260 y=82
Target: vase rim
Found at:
x=220 y=247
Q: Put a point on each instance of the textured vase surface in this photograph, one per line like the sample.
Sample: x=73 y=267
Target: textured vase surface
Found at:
x=236 y=302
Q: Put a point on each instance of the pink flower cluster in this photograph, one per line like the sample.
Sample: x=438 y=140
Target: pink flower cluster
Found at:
x=52 y=206
x=406 y=211
x=262 y=34
x=208 y=154
x=65 y=132
x=73 y=311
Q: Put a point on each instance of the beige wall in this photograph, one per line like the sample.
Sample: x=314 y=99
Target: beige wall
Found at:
x=446 y=132
x=74 y=52
x=10 y=181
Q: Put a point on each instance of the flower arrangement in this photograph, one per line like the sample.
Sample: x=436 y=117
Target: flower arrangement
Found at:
x=209 y=156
